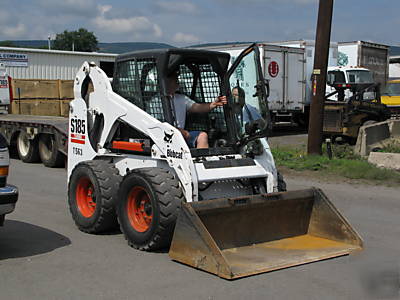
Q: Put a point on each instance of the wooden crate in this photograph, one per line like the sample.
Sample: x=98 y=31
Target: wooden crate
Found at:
x=36 y=107
x=64 y=106
x=42 y=89
x=35 y=89
x=66 y=89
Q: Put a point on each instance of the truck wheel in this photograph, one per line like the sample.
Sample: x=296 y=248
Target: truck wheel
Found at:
x=281 y=183
x=27 y=149
x=48 y=151
x=149 y=200
x=92 y=193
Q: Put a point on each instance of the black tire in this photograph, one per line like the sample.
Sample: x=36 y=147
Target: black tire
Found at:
x=281 y=183
x=99 y=180
x=164 y=195
x=28 y=150
x=48 y=151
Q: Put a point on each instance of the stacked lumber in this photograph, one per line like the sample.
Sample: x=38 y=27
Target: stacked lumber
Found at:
x=41 y=97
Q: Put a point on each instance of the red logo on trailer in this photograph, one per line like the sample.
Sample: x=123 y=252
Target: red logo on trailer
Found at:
x=273 y=69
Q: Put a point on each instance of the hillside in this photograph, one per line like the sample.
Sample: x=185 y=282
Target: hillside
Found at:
x=103 y=47
x=394 y=51
x=124 y=47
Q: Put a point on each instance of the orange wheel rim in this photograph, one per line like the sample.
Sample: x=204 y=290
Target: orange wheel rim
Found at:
x=139 y=209
x=85 y=197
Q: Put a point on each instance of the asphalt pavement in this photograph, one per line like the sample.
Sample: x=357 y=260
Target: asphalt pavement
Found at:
x=44 y=256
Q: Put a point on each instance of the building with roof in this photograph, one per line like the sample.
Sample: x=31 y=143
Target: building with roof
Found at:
x=26 y=63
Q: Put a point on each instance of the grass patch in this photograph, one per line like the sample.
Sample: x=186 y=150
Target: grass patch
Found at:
x=392 y=147
x=344 y=163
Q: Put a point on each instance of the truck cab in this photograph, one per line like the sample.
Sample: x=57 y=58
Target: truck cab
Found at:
x=348 y=75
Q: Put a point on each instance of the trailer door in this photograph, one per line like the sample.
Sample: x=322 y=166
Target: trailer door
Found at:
x=274 y=71
x=295 y=80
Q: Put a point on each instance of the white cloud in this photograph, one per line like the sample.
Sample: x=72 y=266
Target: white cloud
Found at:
x=177 y=7
x=13 y=32
x=136 y=26
x=185 y=38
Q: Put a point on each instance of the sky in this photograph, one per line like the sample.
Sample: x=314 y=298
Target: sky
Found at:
x=188 y=22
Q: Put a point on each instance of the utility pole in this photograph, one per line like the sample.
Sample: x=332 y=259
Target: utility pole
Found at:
x=322 y=43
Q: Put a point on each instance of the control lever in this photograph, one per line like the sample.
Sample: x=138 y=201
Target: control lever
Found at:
x=212 y=127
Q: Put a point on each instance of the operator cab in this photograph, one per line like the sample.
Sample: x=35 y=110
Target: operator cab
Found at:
x=141 y=78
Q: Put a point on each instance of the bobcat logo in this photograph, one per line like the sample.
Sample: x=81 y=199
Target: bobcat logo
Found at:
x=168 y=137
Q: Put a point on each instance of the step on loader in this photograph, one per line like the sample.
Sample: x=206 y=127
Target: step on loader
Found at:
x=224 y=208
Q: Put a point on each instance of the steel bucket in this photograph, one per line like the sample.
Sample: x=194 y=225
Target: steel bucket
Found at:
x=243 y=236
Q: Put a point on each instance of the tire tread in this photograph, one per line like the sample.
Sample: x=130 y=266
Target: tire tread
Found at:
x=108 y=178
x=170 y=196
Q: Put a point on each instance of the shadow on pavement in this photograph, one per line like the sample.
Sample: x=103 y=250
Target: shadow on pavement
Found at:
x=19 y=239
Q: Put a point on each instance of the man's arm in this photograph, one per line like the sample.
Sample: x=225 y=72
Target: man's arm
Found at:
x=207 y=107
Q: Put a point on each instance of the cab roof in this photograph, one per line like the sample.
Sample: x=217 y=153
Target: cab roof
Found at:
x=173 y=57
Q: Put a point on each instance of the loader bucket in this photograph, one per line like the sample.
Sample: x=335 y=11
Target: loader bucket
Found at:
x=237 y=237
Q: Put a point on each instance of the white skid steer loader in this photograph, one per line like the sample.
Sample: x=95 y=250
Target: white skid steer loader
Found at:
x=223 y=209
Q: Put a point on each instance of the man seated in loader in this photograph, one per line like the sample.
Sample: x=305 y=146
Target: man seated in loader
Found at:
x=183 y=104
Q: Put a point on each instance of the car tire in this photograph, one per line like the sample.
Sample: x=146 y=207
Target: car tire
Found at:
x=149 y=200
x=92 y=194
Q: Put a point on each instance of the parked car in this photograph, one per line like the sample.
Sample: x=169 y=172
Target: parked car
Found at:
x=8 y=193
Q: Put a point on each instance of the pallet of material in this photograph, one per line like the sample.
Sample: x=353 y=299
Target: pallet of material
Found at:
x=24 y=89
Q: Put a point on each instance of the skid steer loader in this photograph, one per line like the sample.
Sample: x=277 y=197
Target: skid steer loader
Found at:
x=222 y=209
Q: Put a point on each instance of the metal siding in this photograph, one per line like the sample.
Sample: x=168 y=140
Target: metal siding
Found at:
x=352 y=53
x=48 y=65
x=296 y=81
x=394 y=70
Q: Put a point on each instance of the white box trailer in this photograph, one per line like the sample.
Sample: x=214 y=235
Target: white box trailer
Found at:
x=309 y=48
x=284 y=68
x=394 y=67
x=372 y=56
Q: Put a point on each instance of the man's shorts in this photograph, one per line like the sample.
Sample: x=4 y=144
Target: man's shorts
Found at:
x=193 y=135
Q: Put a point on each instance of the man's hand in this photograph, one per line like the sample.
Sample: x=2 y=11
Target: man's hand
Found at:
x=219 y=101
x=185 y=133
x=207 y=107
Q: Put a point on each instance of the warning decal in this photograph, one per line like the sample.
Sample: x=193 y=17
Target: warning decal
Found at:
x=273 y=69
x=77 y=138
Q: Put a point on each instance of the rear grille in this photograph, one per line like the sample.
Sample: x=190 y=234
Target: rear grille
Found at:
x=332 y=120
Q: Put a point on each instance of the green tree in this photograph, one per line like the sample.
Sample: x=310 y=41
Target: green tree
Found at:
x=79 y=40
x=7 y=44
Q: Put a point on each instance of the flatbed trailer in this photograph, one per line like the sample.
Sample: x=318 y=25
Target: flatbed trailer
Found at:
x=37 y=138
